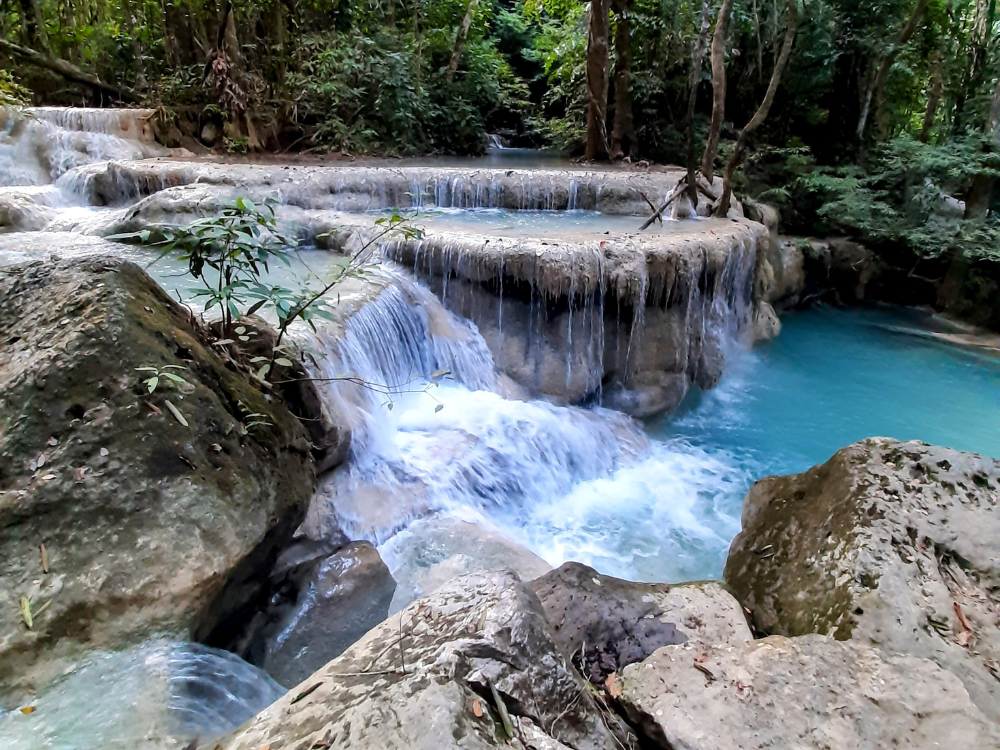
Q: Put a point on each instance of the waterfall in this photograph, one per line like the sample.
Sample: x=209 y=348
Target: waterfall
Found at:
x=40 y=144
x=423 y=444
x=357 y=188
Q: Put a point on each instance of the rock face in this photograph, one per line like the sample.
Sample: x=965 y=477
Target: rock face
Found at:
x=802 y=693
x=426 y=679
x=142 y=517
x=316 y=609
x=636 y=317
x=890 y=544
x=605 y=623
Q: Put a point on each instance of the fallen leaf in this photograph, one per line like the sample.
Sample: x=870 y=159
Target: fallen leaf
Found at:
x=963 y=638
x=40 y=461
x=28 y=710
x=962 y=618
x=612 y=686
x=305 y=693
x=79 y=473
x=508 y=726
x=26 y=612
x=155 y=409
x=45 y=558
x=176 y=412
x=216 y=447
x=53 y=442
x=477 y=709
x=104 y=452
x=705 y=671
x=49 y=477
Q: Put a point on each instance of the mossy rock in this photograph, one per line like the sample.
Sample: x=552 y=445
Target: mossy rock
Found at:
x=144 y=519
x=891 y=544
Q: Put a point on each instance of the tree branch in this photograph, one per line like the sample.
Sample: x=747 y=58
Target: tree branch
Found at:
x=68 y=71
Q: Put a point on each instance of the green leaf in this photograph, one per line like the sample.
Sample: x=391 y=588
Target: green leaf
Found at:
x=283 y=362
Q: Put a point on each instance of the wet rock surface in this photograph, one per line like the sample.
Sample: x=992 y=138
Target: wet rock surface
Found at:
x=805 y=693
x=431 y=552
x=428 y=677
x=888 y=544
x=146 y=509
x=604 y=623
x=317 y=607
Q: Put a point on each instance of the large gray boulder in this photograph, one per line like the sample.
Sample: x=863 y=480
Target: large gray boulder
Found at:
x=439 y=675
x=808 y=693
x=889 y=544
x=604 y=624
x=147 y=504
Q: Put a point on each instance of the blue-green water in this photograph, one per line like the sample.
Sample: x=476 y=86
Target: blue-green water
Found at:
x=831 y=378
x=836 y=376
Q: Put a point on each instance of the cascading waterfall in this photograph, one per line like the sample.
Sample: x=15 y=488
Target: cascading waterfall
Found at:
x=40 y=144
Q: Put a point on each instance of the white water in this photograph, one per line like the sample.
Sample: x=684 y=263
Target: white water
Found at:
x=43 y=143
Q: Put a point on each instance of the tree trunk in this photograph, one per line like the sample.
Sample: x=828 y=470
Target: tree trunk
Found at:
x=623 y=141
x=34 y=25
x=882 y=77
x=597 y=82
x=933 y=97
x=68 y=71
x=761 y=114
x=866 y=103
x=697 y=59
x=140 y=67
x=417 y=50
x=460 y=36
x=718 y=90
x=980 y=195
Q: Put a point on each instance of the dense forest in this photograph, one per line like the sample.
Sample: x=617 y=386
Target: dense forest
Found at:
x=877 y=120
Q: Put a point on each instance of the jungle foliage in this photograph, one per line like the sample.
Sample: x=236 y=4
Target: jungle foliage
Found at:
x=885 y=122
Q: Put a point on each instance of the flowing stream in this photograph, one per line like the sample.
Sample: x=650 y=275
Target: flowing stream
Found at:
x=657 y=501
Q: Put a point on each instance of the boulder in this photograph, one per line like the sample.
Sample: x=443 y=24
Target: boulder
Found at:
x=26 y=209
x=440 y=675
x=604 y=624
x=766 y=324
x=316 y=608
x=890 y=544
x=124 y=513
x=802 y=693
x=787 y=263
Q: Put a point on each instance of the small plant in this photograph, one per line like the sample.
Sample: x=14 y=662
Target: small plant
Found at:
x=231 y=255
x=161 y=374
x=238 y=145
